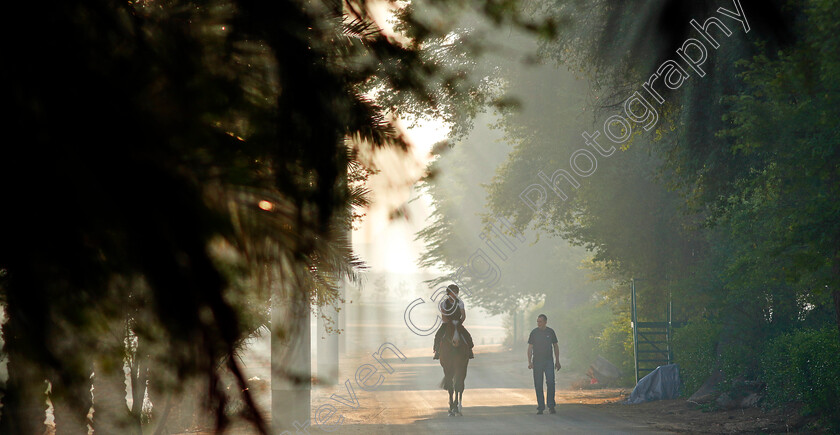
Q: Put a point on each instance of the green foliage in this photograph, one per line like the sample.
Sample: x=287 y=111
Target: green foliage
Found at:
x=175 y=163
x=731 y=206
x=579 y=331
x=785 y=123
x=804 y=366
x=694 y=350
x=616 y=345
x=461 y=225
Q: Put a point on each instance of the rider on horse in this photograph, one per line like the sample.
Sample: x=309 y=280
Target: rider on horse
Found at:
x=452 y=309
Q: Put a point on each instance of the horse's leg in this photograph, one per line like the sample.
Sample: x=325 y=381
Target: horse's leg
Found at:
x=455 y=403
x=460 y=376
x=447 y=377
x=451 y=403
x=447 y=372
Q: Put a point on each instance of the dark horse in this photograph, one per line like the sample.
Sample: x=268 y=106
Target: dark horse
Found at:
x=454 y=357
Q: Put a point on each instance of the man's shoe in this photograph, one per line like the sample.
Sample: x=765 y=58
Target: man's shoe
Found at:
x=552 y=411
x=437 y=356
x=539 y=412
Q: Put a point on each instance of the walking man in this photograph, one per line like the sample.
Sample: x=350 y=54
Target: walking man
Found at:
x=540 y=342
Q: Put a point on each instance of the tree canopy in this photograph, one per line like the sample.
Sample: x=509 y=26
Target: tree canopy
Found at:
x=728 y=204
x=173 y=165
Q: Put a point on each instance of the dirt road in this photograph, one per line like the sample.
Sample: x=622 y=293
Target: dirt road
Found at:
x=499 y=400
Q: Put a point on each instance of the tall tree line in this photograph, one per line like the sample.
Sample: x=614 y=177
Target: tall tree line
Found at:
x=727 y=206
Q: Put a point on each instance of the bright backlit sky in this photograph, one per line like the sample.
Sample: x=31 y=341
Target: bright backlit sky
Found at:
x=386 y=244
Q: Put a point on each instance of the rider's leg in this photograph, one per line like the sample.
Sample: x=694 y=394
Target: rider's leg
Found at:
x=467 y=338
x=439 y=337
x=466 y=334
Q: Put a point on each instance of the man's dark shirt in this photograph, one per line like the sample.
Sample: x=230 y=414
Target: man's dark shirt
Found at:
x=542 y=341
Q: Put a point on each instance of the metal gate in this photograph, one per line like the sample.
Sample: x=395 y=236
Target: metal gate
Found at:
x=651 y=340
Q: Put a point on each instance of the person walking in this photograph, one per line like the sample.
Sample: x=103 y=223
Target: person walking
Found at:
x=540 y=343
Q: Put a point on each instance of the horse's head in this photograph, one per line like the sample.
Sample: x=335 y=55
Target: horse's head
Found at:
x=455 y=337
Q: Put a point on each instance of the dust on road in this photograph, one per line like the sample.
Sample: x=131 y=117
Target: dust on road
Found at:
x=499 y=399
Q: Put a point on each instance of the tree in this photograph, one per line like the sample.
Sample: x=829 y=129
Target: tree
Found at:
x=482 y=251
x=199 y=152
x=699 y=213
x=785 y=122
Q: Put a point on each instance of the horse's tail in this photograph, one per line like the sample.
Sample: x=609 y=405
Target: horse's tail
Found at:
x=443 y=383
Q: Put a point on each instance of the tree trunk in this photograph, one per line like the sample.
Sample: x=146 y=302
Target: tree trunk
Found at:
x=72 y=401
x=111 y=409
x=71 y=411
x=24 y=401
x=139 y=378
x=835 y=293
x=160 y=423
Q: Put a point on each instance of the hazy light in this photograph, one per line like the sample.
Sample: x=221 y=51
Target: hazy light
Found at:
x=265 y=205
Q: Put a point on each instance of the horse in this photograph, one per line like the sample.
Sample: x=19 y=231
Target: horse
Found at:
x=454 y=358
